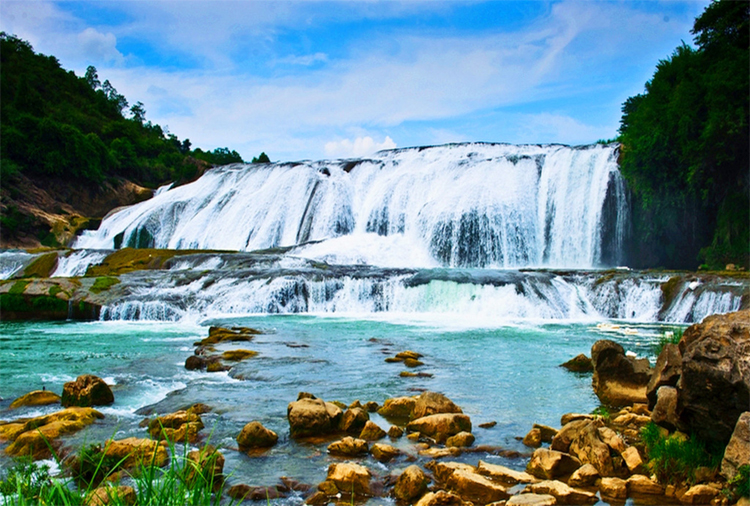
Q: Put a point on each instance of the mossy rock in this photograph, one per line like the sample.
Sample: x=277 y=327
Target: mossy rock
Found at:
x=238 y=355
x=42 y=267
x=103 y=284
x=133 y=259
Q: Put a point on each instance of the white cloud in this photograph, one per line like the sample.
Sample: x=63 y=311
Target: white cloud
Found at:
x=558 y=128
x=359 y=147
x=306 y=60
x=100 y=47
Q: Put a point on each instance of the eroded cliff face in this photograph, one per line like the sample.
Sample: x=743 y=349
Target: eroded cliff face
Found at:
x=50 y=211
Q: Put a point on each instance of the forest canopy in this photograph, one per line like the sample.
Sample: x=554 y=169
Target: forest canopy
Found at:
x=685 y=151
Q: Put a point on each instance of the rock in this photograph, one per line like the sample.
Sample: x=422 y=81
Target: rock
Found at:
x=666 y=372
x=350 y=477
x=618 y=380
x=411 y=484
x=311 y=417
x=134 y=452
x=504 y=474
x=398 y=407
x=665 y=409
x=328 y=487
x=220 y=335
x=238 y=355
x=440 y=426
x=371 y=432
x=354 y=420
x=460 y=440
x=207 y=465
x=563 y=438
x=244 y=492
x=408 y=354
x=442 y=498
x=102 y=496
x=640 y=484
x=36 y=398
x=87 y=390
x=632 y=420
x=584 y=476
x=439 y=453
x=548 y=464
x=699 y=494
x=573 y=417
x=444 y=470
x=316 y=499
x=431 y=403
x=533 y=438
x=632 y=459
x=348 y=447
x=255 y=435
x=611 y=439
x=547 y=432
x=395 y=432
x=714 y=388
x=579 y=363
x=563 y=493
x=215 y=365
x=475 y=487
x=737 y=452
x=181 y=426
x=487 y=425
x=532 y=500
x=35 y=436
x=371 y=406
x=588 y=448
x=412 y=362
x=614 y=488
x=196 y=363
x=384 y=452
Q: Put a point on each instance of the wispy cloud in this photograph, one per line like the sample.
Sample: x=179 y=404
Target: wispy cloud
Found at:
x=359 y=147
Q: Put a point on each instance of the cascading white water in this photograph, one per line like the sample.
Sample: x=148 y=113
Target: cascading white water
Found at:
x=75 y=263
x=465 y=205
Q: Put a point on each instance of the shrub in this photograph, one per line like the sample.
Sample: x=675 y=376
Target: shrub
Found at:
x=674 y=459
x=670 y=337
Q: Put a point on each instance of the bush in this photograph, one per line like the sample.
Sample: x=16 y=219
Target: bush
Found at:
x=669 y=337
x=674 y=459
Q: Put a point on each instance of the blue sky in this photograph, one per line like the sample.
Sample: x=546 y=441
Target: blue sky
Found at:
x=311 y=80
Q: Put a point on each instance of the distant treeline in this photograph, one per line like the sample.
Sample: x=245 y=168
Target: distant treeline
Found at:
x=57 y=124
x=685 y=152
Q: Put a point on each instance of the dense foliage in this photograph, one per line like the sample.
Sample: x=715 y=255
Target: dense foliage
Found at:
x=685 y=152
x=55 y=124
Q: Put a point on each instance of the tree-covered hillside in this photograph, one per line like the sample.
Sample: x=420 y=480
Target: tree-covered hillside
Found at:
x=685 y=152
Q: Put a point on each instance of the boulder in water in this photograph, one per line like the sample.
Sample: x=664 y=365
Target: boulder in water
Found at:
x=36 y=398
x=312 y=417
x=349 y=477
x=430 y=403
x=348 y=447
x=398 y=408
x=255 y=435
x=35 y=436
x=87 y=390
x=579 y=363
x=372 y=432
x=411 y=484
x=440 y=426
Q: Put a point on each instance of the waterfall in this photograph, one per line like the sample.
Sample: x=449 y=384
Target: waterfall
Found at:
x=463 y=205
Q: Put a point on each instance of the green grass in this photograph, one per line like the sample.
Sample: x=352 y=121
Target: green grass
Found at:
x=184 y=481
x=666 y=339
x=673 y=459
x=602 y=411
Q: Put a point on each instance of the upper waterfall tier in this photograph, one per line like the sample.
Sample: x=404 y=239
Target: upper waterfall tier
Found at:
x=464 y=205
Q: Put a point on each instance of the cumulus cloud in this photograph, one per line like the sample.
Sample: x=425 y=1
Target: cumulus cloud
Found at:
x=359 y=147
x=100 y=47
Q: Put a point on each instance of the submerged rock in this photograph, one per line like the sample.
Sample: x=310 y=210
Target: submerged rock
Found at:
x=87 y=390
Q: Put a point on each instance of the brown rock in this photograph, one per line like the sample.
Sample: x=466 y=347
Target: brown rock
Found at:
x=563 y=438
x=666 y=372
x=133 y=452
x=442 y=498
x=699 y=494
x=238 y=355
x=640 y=484
x=221 y=335
x=398 y=407
x=611 y=439
x=548 y=464
x=348 y=447
x=87 y=390
x=34 y=437
x=395 y=432
x=547 y=432
x=572 y=417
x=316 y=499
x=563 y=493
x=588 y=448
x=487 y=425
x=207 y=465
x=737 y=452
x=412 y=362
x=475 y=487
x=579 y=363
x=460 y=440
x=384 y=452
x=255 y=435
x=532 y=500
x=102 y=496
x=504 y=474
x=618 y=380
x=439 y=453
x=632 y=459
x=371 y=432
x=195 y=363
x=614 y=488
x=443 y=470
x=354 y=420
x=350 y=477
x=714 y=388
x=371 y=406
x=533 y=439
x=440 y=426
x=310 y=417
x=181 y=426
x=431 y=403
x=411 y=484
x=665 y=410
x=36 y=398
x=584 y=476
x=408 y=354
